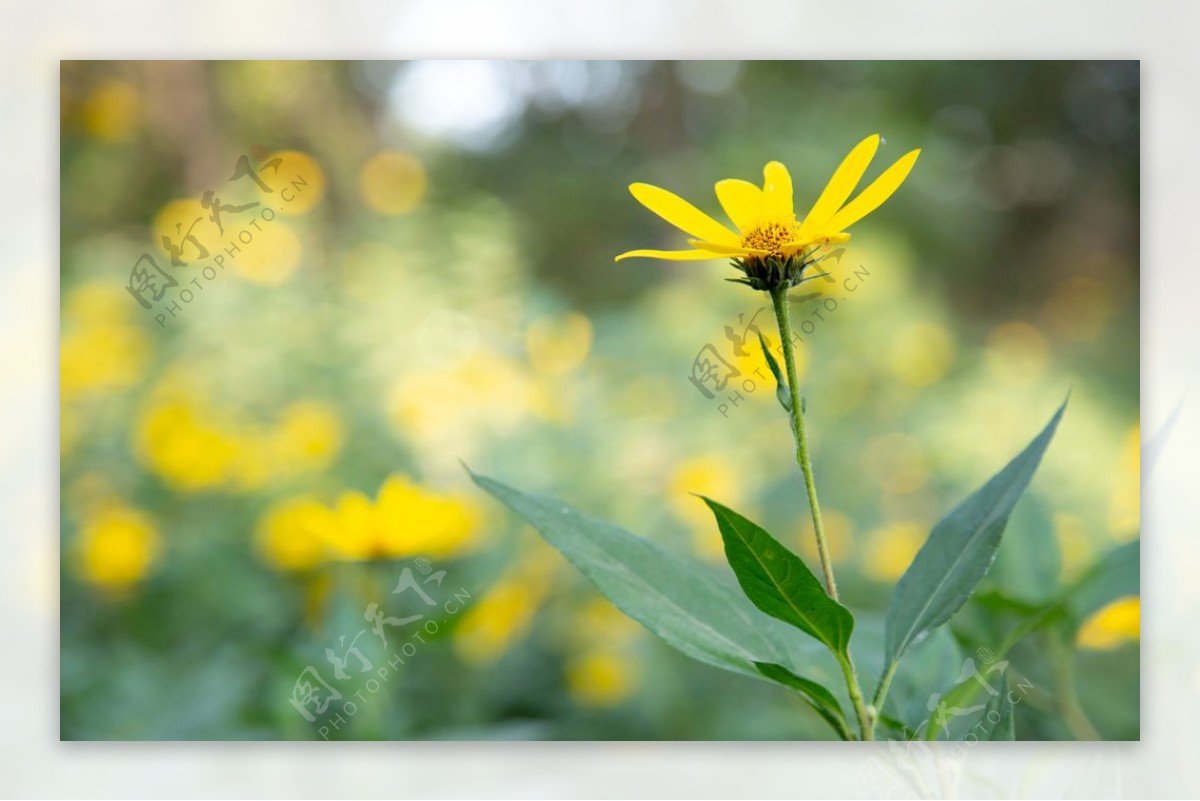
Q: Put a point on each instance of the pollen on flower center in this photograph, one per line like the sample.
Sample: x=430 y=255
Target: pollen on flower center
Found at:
x=770 y=237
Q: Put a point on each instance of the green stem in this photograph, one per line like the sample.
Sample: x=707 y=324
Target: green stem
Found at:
x=866 y=721
x=779 y=298
x=885 y=683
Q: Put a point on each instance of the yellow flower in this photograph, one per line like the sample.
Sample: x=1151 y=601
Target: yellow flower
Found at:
x=405 y=520
x=503 y=616
x=1115 y=624
x=295 y=534
x=117 y=546
x=770 y=243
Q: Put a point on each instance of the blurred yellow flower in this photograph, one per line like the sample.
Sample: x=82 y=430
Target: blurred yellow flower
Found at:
x=308 y=436
x=297 y=182
x=503 y=615
x=711 y=475
x=272 y=257
x=392 y=182
x=295 y=534
x=101 y=348
x=112 y=111
x=189 y=452
x=558 y=345
x=601 y=678
x=1116 y=624
x=405 y=520
x=195 y=447
x=890 y=549
x=767 y=229
x=117 y=546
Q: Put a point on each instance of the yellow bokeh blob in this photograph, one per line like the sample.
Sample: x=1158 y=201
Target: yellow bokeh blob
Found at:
x=392 y=182
x=113 y=111
x=1074 y=544
x=1016 y=352
x=601 y=678
x=296 y=181
x=186 y=226
x=890 y=549
x=920 y=354
x=558 y=345
x=1116 y=624
x=270 y=257
x=117 y=546
x=710 y=475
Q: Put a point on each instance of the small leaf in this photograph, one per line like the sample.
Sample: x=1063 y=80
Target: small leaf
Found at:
x=676 y=598
x=998 y=721
x=781 y=387
x=819 y=698
x=959 y=551
x=779 y=583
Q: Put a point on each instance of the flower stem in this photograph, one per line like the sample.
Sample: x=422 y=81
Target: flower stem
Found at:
x=779 y=298
x=866 y=718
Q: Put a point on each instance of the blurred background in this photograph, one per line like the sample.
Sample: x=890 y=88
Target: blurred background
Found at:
x=418 y=273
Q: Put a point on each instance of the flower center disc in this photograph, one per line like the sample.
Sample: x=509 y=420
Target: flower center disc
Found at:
x=770 y=237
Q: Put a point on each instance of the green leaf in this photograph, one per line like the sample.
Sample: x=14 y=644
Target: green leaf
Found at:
x=781 y=387
x=779 y=583
x=959 y=551
x=998 y=721
x=1028 y=562
x=819 y=698
x=676 y=598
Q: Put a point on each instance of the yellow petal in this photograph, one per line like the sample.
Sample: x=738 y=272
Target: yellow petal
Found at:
x=777 y=192
x=823 y=241
x=681 y=214
x=728 y=250
x=669 y=255
x=838 y=190
x=873 y=196
x=742 y=201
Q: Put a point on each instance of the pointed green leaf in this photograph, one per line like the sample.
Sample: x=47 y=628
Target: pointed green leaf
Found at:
x=819 y=698
x=959 y=551
x=779 y=583
x=998 y=721
x=781 y=387
x=677 y=598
